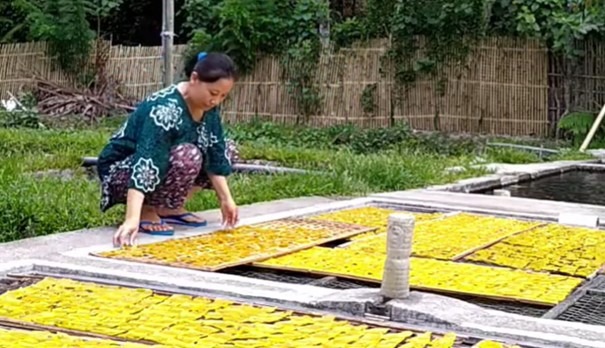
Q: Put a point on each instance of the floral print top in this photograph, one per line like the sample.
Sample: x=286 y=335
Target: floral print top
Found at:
x=160 y=122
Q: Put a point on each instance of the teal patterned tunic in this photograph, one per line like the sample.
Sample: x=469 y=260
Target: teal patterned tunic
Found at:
x=159 y=123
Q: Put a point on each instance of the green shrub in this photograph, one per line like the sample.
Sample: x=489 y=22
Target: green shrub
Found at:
x=576 y=125
x=512 y=156
x=19 y=119
x=570 y=155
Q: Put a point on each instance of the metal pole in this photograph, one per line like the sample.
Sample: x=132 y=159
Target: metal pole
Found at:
x=167 y=41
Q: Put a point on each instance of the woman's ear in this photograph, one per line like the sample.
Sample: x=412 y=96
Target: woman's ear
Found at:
x=193 y=77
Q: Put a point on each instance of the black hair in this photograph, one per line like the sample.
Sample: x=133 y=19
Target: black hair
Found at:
x=213 y=67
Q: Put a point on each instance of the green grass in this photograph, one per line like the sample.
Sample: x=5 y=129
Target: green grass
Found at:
x=352 y=162
x=512 y=156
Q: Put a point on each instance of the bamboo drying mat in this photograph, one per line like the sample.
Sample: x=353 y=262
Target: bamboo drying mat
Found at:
x=491 y=243
x=461 y=340
x=369 y=279
x=240 y=238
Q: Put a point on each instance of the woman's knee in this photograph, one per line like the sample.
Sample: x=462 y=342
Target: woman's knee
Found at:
x=186 y=155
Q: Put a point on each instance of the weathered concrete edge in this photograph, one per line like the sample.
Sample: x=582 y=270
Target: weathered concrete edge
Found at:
x=512 y=174
x=449 y=314
x=468 y=203
x=224 y=286
x=388 y=199
x=16 y=266
x=40 y=246
x=473 y=320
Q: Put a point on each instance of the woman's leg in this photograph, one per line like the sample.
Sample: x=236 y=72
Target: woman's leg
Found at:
x=180 y=215
x=185 y=164
x=201 y=183
x=115 y=191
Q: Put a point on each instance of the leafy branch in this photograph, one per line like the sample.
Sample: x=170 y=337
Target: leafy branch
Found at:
x=557 y=23
x=12 y=26
x=65 y=26
x=249 y=30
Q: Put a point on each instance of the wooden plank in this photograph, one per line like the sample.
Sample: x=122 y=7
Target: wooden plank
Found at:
x=350 y=230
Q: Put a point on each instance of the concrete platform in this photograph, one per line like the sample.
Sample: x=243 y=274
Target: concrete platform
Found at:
x=41 y=247
x=487 y=204
x=68 y=254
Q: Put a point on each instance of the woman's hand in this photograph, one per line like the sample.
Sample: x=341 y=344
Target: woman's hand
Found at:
x=126 y=233
x=230 y=213
x=228 y=206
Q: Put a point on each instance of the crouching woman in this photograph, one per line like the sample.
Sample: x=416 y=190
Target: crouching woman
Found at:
x=171 y=146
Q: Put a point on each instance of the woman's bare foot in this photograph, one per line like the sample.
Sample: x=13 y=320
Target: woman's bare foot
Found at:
x=149 y=215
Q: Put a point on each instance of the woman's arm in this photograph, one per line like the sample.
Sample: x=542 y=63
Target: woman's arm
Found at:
x=134 y=205
x=218 y=168
x=229 y=209
x=221 y=186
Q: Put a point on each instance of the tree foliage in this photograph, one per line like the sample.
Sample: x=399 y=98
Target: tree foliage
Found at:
x=12 y=26
x=248 y=30
x=66 y=27
x=448 y=28
x=558 y=23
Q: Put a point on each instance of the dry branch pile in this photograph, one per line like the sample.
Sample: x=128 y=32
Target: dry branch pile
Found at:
x=92 y=103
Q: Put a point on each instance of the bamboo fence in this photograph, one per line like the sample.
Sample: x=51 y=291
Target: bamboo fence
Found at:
x=502 y=88
x=578 y=85
x=139 y=69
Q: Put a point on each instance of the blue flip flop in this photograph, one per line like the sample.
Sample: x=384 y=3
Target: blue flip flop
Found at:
x=143 y=224
x=180 y=220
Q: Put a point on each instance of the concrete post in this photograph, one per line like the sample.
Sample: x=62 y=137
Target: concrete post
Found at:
x=396 y=276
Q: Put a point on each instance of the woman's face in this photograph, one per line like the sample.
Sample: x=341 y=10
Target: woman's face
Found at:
x=207 y=95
